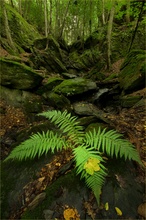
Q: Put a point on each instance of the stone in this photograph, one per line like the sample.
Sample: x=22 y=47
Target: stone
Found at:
x=23 y=33
x=83 y=108
x=132 y=74
x=57 y=100
x=18 y=76
x=37 y=200
x=70 y=87
x=51 y=83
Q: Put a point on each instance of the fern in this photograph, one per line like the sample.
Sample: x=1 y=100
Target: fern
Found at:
x=112 y=144
x=88 y=148
x=68 y=124
x=37 y=144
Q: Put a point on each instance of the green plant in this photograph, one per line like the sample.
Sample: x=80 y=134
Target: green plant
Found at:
x=89 y=148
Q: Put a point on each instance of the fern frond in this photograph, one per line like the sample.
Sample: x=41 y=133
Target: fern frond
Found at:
x=112 y=144
x=37 y=144
x=95 y=183
x=67 y=123
x=82 y=154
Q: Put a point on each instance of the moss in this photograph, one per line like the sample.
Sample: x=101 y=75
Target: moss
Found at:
x=69 y=180
x=129 y=101
x=22 y=33
x=57 y=101
x=52 y=82
x=112 y=76
x=132 y=75
x=18 y=75
x=74 y=86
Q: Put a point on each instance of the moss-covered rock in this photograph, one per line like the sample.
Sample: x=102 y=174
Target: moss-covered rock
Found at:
x=129 y=101
x=51 y=83
x=23 y=34
x=132 y=75
x=30 y=102
x=75 y=86
x=57 y=100
x=49 y=59
x=18 y=76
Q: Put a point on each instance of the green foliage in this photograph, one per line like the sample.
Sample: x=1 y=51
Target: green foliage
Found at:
x=89 y=148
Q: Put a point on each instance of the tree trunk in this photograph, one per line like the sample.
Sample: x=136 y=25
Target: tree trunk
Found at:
x=127 y=16
x=103 y=13
x=46 y=18
x=109 y=35
x=20 y=8
x=7 y=28
x=50 y=21
x=63 y=22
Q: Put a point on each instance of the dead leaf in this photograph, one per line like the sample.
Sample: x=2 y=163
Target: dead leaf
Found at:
x=106 y=206
x=119 y=212
x=71 y=214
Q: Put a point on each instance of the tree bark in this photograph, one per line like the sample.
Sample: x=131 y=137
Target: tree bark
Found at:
x=7 y=28
x=109 y=35
x=46 y=18
x=63 y=22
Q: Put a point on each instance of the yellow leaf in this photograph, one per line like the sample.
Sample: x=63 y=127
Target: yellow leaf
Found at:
x=92 y=165
x=119 y=212
x=106 y=206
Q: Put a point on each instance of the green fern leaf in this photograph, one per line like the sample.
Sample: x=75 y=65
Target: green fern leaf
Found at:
x=95 y=183
x=112 y=144
x=82 y=154
x=37 y=144
x=67 y=123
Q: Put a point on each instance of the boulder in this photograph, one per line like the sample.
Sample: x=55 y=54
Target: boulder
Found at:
x=49 y=59
x=17 y=98
x=84 y=108
x=70 y=87
x=56 y=100
x=18 y=76
x=50 y=84
x=22 y=32
x=132 y=75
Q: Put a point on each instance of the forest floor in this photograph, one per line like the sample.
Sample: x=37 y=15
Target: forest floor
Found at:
x=129 y=122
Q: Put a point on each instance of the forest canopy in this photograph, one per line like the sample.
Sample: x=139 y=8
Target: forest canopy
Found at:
x=77 y=19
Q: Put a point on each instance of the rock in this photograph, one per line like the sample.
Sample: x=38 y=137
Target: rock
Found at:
x=98 y=94
x=57 y=100
x=83 y=108
x=132 y=75
x=48 y=214
x=37 y=200
x=51 y=83
x=129 y=101
x=17 y=98
x=23 y=38
x=70 y=87
x=142 y=210
x=18 y=76
x=49 y=59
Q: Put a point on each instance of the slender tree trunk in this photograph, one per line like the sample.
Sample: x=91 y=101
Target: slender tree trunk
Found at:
x=63 y=22
x=7 y=28
x=20 y=8
x=46 y=18
x=103 y=12
x=90 y=21
x=11 y=3
x=134 y=33
x=50 y=21
x=128 y=11
x=109 y=35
